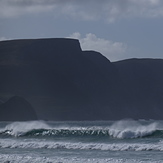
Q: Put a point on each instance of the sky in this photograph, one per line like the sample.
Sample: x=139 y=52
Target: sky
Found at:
x=119 y=29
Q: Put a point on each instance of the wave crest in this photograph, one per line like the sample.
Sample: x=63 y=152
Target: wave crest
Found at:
x=119 y=130
x=132 y=129
x=20 y=128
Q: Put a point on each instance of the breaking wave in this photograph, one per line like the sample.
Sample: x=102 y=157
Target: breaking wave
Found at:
x=12 y=144
x=69 y=133
x=119 y=130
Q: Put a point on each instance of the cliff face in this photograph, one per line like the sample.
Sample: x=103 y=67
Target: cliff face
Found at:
x=62 y=82
x=59 y=80
x=142 y=78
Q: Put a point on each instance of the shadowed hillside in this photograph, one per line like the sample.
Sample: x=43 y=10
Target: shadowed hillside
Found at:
x=62 y=82
x=143 y=78
x=17 y=109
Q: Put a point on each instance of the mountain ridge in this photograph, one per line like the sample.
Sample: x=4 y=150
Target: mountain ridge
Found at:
x=62 y=82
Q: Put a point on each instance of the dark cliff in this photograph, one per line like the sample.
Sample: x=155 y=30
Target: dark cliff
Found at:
x=143 y=80
x=17 y=109
x=62 y=82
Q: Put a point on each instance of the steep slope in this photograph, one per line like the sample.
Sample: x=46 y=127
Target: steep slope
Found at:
x=143 y=80
x=58 y=78
x=17 y=109
x=62 y=82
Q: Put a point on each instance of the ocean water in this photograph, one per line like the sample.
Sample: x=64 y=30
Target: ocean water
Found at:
x=125 y=141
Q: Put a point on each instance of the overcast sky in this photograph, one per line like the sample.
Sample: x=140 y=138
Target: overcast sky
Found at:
x=119 y=29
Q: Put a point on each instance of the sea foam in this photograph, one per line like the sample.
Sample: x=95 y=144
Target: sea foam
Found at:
x=14 y=158
x=131 y=129
x=18 y=128
x=43 y=144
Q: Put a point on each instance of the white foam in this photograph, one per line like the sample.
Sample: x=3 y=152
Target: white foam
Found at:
x=18 y=128
x=14 y=158
x=41 y=144
x=131 y=129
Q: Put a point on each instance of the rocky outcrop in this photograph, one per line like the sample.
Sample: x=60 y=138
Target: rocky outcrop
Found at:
x=17 y=109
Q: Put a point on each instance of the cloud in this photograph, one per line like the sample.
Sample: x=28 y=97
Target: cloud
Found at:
x=116 y=9
x=112 y=50
x=15 y=8
x=108 y=10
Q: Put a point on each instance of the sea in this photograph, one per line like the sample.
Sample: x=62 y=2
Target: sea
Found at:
x=124 y=141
